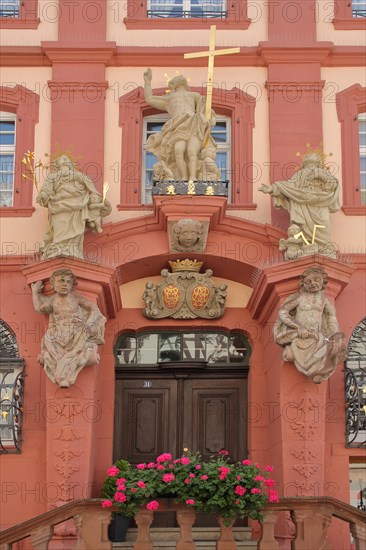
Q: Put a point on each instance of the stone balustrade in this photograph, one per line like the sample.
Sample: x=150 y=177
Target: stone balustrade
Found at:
x=311 y=517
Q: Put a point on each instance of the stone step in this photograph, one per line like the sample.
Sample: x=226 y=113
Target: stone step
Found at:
x=204 y=537
x=169 y=545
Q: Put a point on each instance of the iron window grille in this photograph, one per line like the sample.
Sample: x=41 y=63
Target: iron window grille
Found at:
x=11 y=404
x=187 y=9
x=355 y=388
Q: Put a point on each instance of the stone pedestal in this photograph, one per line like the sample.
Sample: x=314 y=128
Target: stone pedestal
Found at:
x=71 y=414
x=296 y=405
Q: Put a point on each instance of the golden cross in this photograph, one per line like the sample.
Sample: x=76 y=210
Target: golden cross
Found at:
x=211 y=53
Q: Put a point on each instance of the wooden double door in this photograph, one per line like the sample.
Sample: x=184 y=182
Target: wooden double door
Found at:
x=174 y=412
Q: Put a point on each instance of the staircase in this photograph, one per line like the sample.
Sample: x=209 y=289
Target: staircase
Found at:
x=204 y=537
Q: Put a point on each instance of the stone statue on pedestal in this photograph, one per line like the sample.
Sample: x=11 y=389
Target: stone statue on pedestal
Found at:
x=74 y=206
x=184 y=147
x=76 y=328
x=309 y=196
x=308 y=331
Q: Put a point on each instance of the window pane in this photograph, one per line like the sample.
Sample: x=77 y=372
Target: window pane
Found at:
x=194 y=347
x=7 y=125
x=147 y=349
x=127 y=352
x=169 y=347
x=9 y=8
x=6 y=198
x=7 y=139
x=358 y=8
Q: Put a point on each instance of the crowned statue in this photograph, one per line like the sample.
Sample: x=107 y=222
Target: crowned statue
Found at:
x=310 y=196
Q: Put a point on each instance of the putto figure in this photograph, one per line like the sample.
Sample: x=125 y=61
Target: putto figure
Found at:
x=185 y=134
x=309 y=196
x=187 y=236
x=74 y=205
x=76 y=328
x=308 y=331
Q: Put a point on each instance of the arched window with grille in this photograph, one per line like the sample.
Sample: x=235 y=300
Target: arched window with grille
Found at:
x=355 y=382
x=11 y=391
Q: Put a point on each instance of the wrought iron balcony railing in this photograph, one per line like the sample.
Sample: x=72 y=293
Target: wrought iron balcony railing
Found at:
x=191 y=14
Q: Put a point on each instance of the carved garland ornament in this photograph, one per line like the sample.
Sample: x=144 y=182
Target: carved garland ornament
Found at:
x=185 y=293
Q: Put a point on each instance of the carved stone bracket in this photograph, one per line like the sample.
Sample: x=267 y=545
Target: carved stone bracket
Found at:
x=96 y=282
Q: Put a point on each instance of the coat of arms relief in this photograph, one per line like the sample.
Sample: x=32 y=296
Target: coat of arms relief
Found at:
x=185 y=293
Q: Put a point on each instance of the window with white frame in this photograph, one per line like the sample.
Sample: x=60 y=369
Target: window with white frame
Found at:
x=221 y=133
x=9 y=8
x=7 y=156
x=186 y=8
x=359 y=8
x=362 y=144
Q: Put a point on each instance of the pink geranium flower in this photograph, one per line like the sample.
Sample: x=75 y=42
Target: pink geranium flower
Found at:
x=269 y=468
x=168 y=477
x=204 y=477
x=151 y=465
x=165 y=457
x=273 y=495
x=255 y=491
x=187 y=481
x=107 y=503
x=141 y=484
x=190 y=501
x=152 y=505
x=160 y=467
x=185 y=460
x=192 y=476
x=269 y=482
x=198 y=467
x=113 y=471
x=246 y=462
x=259 y=478
x=120 y=497
x=223 y=452
x=239 y=490
x=141 y=466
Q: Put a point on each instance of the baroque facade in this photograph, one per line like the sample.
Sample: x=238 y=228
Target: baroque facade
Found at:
x=72 y=84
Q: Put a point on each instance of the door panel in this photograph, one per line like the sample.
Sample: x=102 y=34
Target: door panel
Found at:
x=146 y=422
x=214 y=416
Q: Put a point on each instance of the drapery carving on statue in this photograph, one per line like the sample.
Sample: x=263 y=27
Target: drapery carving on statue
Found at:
x=74 y=206
x=184 y=147
x=76 y=328
x=309 y=196
x=308 y=331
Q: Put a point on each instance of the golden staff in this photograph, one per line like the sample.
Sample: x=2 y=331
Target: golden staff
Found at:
x=27 y=160
x=105 y=190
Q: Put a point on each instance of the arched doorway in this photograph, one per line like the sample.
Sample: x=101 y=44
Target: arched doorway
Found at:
x=179 y=390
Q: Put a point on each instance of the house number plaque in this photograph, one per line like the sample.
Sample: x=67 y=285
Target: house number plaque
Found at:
x=146 y=384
